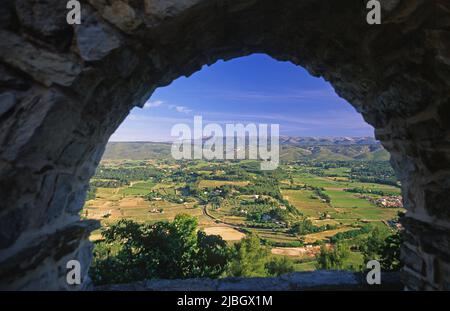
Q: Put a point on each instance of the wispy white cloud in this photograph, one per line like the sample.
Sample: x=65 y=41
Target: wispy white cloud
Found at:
x=150 y=104
x=330 y=118
x=153 y=104
x=140 y=119
x=181 y=109
x=143 y=127
x=157 y=128
x=285 y=95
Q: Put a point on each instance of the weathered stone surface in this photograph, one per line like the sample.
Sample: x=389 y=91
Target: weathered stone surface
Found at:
x=317 y=280
x=165 y=8
x=438 y=202
x=7 y=18
x=46 y=18
x=389 y=5
x=412 y=260
x=46 y=67
x=118 y=13
x=46 y=247
x=12 y=223
x=11 y=80
x=442 y=41
x=322 y=278
x=64 y=90
x=443 y=114
x=433 y=239
x=95 y=39
x=24 y=122
x=7 y=101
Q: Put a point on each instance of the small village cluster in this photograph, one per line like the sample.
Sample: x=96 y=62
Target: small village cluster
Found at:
x=390 y=201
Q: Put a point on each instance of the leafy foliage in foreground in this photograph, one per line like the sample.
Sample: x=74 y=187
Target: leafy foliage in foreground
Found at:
x=133 y=252
x=384 y=246
x=251 y=259
x=333 y=259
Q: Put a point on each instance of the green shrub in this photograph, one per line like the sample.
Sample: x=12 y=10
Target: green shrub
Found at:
x=132 y=252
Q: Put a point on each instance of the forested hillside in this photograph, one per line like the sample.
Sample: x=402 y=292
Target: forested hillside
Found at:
x=292 y=149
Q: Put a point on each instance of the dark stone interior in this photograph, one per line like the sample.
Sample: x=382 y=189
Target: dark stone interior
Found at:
x=65 y=89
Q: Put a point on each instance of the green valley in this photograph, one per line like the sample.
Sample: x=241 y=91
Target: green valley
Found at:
x=298 y=211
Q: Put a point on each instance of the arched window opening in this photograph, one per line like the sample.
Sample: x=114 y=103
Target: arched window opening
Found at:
x=330 y=202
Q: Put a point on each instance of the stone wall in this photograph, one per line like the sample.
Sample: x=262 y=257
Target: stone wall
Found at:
x=65 y=89
x=297 y=281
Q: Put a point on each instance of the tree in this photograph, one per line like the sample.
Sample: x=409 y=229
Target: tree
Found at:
x=278 y=266
x=174 y=246
x=384 y=246
x=371 y=247
x=213 y=255
x=303 y=227
x=334 y=258
x=390 y=252
x=132 y=252
x=250 y=258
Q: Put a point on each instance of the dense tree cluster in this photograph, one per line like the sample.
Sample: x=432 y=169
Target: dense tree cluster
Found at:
x=363 y=190
x=132 y=252
x=322 y=195
x=384 y=246
x=374 y=172
x=333 y=258
x=251 y=259
x=305 y=226
x=377 y=244
x=168 y=197
x=341 y=236
x=127 y=174
x=109 y=183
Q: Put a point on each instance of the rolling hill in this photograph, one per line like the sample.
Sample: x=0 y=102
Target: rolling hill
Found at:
x=136 y=150
x=292 y=149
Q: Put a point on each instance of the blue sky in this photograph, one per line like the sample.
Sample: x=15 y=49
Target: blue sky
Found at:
x=252 y=89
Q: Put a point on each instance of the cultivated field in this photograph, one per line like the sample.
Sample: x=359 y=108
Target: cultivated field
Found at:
x=227 y=233
x=155 y=190
x=218 y=183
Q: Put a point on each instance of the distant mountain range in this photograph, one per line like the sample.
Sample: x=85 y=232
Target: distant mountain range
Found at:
x=292 y=149
x=326 y=141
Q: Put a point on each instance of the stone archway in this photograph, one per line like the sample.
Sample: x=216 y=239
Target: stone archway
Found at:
x=64 y=90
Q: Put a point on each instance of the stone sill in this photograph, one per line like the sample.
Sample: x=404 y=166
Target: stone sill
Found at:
x=297 y=281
